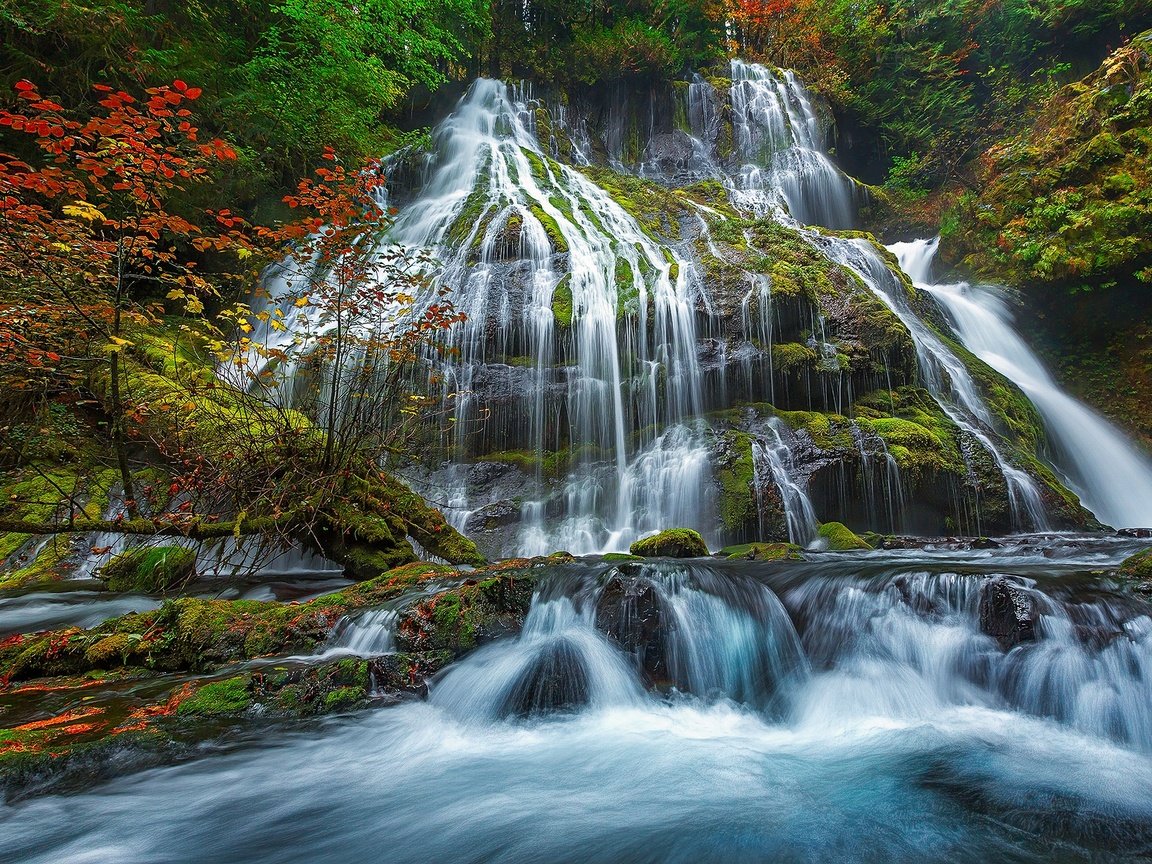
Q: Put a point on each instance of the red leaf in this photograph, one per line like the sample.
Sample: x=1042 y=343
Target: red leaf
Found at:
x=179 y=85
x=193 y=93
x=25 y=85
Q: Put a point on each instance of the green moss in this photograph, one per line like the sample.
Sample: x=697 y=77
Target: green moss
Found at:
x=344 y=699
x=735 y=474
x=789 y=356
x=672 y=543
x=1066 y=202
x=151 y=569
x=762 y=552
x=839 y=538
x=619 y=556
x=1138 y=566
x=219 y=697
x=551 y=229
x=562 y=310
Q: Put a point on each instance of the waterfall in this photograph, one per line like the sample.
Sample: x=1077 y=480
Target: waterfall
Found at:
x=1098 y=462
x=773 y=458
x=366 y=635
x=942 y=373
x=577 y=400
x=781 y=143
x=604 y=316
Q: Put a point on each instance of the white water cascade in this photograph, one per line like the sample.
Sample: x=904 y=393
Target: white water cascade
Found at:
x=1110 y=474
x=853 y=710
x=781 y=143
x=544 y=263
x=942 y=373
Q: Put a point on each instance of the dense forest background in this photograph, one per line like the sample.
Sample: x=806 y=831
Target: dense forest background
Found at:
x=919 y=87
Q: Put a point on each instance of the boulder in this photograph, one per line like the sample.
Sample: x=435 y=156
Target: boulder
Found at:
x=1007 y=613
x=673 y=543
x=630 y=613
x=151 y=569
x=839 y=538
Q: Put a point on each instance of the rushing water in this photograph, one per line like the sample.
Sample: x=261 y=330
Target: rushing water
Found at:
x=1112 y=477
x=849 y=708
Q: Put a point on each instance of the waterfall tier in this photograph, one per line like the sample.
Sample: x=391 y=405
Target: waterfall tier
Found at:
x=671 y=341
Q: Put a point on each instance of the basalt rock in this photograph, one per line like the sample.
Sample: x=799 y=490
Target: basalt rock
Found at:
x=629 y=611
x=1007 y=613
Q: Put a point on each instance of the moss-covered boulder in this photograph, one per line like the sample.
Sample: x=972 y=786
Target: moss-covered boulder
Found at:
x=673 y=543
x=456 y=621
x=150 y=569
x=839 y=538
x=1138 y=566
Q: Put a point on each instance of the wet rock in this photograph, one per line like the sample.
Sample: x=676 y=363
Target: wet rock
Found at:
x=1135 y=532
x=399 y=678
x=630 y=613
x=1007 y=613
x=986 y=543
x=556 y=681
x=913 y=598
x=493 y=516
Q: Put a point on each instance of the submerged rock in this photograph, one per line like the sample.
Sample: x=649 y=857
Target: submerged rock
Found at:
x=673 y=543
x=1007 y=613
x=556 y=681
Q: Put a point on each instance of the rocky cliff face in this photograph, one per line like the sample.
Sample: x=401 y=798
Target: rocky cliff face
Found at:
x=664 y=330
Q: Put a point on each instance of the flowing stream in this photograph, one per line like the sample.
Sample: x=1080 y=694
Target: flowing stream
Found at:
x=1112 y=477
x=848 y=708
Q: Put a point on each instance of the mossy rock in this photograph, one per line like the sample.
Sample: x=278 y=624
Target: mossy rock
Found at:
x=840 y=538
x=762 y=552
x=1138 y=566
x=613 y=557
x=219 y=697
x=460 y=619
x=673 y=543
x=151 y=569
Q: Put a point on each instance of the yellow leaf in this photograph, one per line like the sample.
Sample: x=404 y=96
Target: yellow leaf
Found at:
x=117 y=341
x=176 y=294
x=301 y=302
x=194 y=306
x=83 y=210
x=189 y=406
x=243 y=253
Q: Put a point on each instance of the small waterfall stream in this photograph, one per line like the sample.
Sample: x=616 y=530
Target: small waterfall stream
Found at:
x=1112 y=477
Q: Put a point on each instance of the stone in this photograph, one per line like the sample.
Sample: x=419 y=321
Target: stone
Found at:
x=673 y=543
x=1007 y=613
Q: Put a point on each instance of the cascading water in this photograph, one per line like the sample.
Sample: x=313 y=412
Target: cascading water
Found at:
x=545 y=264
x=863 y=709
x=579 y=365
x=773 y=457
x=1111 y=476
x=942 y=373
x=780 y=140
